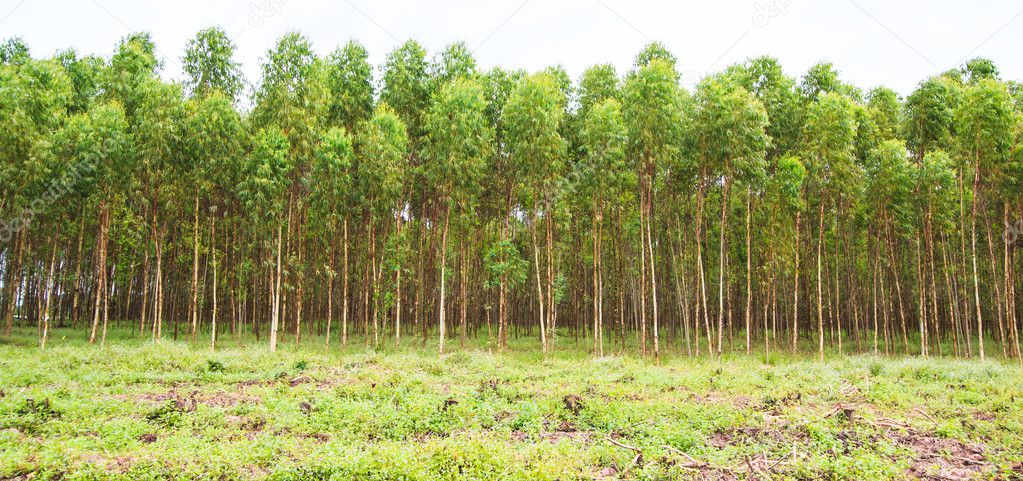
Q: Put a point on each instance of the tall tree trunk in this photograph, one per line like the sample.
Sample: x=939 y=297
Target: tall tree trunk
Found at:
x=194 y=306
x=653 y=271
x=749 y=271
x=539 y=286
x=721 y=264
x=701 y=199
x=820 y=295
x=443 y=273
x=344 y=290
x=795 y=287
x=101 y=267
x=14 y=282
x=213 y=253
x=275 y=315
x=973 y=256
x=49 y=291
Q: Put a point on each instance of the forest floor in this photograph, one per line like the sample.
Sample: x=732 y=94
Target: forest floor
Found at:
x=174 y=410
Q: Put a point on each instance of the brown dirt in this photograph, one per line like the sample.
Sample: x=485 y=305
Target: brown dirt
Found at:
x=984 y=416
x=943 y=459
x=573 y=404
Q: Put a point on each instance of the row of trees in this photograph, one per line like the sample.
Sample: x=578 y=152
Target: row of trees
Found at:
x=441 y=201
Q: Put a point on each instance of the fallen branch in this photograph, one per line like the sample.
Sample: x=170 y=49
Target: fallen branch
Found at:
x=924 y=413
x=625 y=446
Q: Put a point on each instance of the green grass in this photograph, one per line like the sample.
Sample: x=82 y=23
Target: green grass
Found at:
x=171 y=410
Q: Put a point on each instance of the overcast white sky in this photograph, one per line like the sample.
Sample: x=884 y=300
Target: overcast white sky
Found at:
x=872 y=42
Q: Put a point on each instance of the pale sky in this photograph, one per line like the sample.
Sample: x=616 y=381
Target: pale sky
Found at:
x=871 y=42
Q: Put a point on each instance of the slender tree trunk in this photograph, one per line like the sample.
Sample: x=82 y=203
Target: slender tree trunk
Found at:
x=213 y=253
x=703 y=280
x=443 y=273
x=653 y=271
x=194 y=306
x=49 y=291
x=101 y=268
x=749 y=271
x=539 y=286
x=973 y=256
x=275 y=316
x=795 y=287
x=78 y=275
x=721 y=264
x=344 y=290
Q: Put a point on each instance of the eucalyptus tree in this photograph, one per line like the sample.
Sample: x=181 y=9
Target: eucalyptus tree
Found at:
x=656 y=51
x=978 y=69
x=133 y=64
x=886 y=110
x=104 y=149
x=935 y=204
x=604 y=171
x=33 y=99
x=732 y=131
x=821 y=78
x=766 y=80
x=830 y=133
x=382 y=146
x=14 y=51
x=213 y=141
x=350 y=86
x=86 y=74
x=158 y=133
x=929 y=115
x=652 y=110
x=503 y=260
x=533 y=117
x=332 y=199
x=597 y=84
x=131 y=79
x=293 y=97
x=889 y=189
x=266 y=179
x=460 y=140
x=786 y=187
x=213 y=77
x=984 y=123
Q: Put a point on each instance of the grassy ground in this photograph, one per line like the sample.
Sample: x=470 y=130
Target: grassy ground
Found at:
x=136 y=410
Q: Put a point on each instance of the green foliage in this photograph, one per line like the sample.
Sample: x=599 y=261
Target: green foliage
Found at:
x=731 y=128
x=890 y=182
x=533 y=117
x=505 y=263
x=292 y=95
x=460 y=140
x=332 y=175
x=655 y=51
x=382 y=162
x=829 y=134
x=210 y=66
x=350 y=83
x=929 y=115
x=406 y=86
x=454 y=62
x=14 y=51
x=266 y=174
x=652 y=107
x=985 y=121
